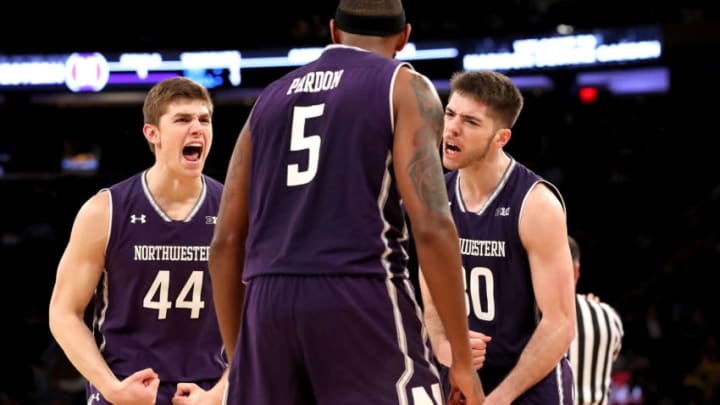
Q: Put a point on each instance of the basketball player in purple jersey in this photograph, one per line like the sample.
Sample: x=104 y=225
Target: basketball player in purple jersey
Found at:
x=308 y=262
x=519 y=286
x=139 y=249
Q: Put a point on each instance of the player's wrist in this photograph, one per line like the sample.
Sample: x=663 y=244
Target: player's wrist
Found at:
x=443 y=353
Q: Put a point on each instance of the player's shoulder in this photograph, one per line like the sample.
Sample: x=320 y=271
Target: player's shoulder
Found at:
x=96 y=209
x=408 y=76
x=121 y=185
x=414 y=88
x=100 y=199
x=544 y=197
x=212 y=182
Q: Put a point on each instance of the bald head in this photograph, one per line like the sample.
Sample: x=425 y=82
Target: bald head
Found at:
x=375 y=8
x=370 y=17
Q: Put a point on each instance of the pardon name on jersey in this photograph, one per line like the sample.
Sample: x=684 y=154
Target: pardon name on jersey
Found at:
x=149 y=253
x=314 y=82
x=491 y=248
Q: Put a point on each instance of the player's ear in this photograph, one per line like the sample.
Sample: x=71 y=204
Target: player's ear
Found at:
x=334 y=32
x=503 y=136
x=404 y=38
x=152 y=134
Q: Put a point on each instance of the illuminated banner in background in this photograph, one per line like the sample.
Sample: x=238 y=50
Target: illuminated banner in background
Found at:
x=97 y=72
x=93 y=72
x=562 y=51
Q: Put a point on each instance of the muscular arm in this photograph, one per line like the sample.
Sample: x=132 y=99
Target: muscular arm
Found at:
x=440 y=344
x=78 y=273
x=418 y=130
x=543 y=233
x=227 y=249
x=434 y=326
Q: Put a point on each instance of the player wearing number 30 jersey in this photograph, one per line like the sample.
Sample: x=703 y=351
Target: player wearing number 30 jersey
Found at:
x=519 y=285
x=501 y=299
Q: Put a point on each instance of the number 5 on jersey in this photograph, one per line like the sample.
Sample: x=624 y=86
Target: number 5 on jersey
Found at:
x=298 y=142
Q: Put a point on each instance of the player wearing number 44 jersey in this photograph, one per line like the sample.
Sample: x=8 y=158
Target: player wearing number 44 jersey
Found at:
x=513 y=241
x=139 y=249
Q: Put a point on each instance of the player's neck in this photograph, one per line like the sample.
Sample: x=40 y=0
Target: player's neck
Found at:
x=168 y=189
x=379 y=46
x=479 y=180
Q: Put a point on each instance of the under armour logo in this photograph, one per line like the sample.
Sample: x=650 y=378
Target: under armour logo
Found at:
x=135 y=218
x=93 y=398
x=502 y=212
x=210 y=220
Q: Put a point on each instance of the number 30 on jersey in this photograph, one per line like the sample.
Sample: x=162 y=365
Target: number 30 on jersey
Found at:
x=480 y=295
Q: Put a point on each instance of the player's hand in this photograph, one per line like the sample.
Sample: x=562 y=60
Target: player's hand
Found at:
x=467 y=381
x=140 y=388
x=478 y=345
x=192 y=394
x=455 y=397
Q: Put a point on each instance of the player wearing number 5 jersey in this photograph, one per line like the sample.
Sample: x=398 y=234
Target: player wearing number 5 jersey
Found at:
x=308 y=261
x=513 y=239
x=139 y=250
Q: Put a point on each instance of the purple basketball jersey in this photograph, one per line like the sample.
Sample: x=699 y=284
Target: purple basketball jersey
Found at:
x=322 y=195
x=501 y=300
x=154 y=305
x=329 y=314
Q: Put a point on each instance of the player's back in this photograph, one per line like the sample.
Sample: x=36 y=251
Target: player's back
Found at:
x=154 y=305
x=322 y=195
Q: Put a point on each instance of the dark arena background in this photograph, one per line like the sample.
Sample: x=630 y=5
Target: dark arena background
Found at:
x=620 y=114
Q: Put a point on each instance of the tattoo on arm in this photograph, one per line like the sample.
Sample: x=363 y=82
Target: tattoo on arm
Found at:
x=430 y=108
x=424 y=168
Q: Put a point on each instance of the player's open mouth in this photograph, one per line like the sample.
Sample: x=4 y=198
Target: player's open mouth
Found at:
x=192 y=152
x=451 y=148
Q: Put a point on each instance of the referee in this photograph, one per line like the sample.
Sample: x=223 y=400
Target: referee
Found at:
x=597 y=343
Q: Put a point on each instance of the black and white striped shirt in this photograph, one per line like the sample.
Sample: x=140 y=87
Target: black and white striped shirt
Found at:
x=598 y=339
